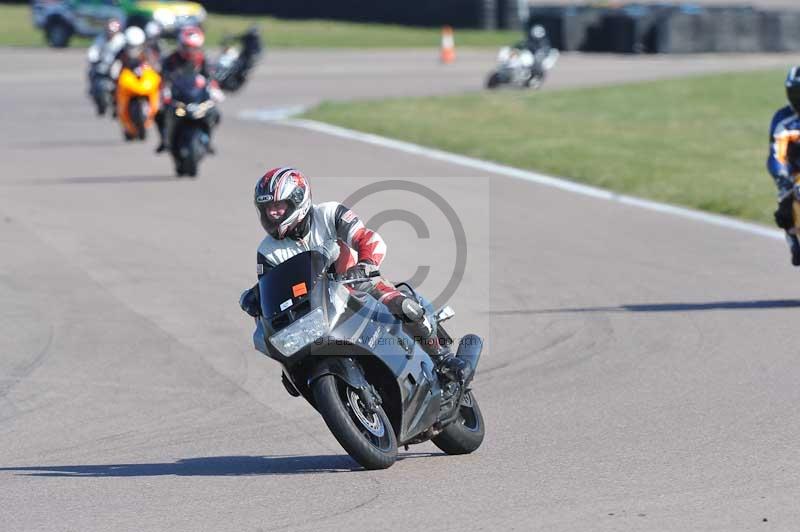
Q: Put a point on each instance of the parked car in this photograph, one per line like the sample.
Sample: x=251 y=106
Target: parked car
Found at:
x=61 y=19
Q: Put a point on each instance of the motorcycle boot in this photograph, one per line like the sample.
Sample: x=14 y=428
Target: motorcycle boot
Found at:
x=419 y=325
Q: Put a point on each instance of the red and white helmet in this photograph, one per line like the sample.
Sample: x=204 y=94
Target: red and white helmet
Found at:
x=289 y=185
x=191 y=38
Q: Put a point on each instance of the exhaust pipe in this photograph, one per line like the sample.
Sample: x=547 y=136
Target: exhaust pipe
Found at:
x=469 y=350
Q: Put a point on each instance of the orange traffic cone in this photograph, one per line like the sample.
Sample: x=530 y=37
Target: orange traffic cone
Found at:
x=448 y=45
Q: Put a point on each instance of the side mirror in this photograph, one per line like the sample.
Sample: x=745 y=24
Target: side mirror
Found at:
x=445 y=313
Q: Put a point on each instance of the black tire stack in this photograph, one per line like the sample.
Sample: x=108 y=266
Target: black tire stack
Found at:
x=668 y=28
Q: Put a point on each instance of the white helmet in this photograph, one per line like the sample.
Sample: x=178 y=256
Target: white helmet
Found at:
x=134 y=41
x=152 y=30
x=538 y=31
x=134 y=36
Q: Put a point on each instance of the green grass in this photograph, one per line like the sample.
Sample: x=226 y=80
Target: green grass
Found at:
x=699 y=142
x=325 y=33
x=16 y=29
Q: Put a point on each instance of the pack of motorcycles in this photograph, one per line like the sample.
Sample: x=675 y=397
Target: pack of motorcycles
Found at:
x=138 y=98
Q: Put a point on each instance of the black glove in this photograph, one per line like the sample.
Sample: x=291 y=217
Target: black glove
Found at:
x=784 y=217
x=361 y=270
x=250 y=302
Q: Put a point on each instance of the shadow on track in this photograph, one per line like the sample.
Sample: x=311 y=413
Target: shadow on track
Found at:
x=67 y=144
x=664 y=307
x=213 y=466
x=99 y=180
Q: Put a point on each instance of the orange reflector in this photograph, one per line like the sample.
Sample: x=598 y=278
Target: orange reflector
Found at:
x=299 y=290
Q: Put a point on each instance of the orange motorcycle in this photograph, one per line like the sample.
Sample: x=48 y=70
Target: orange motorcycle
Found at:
x=138 y=99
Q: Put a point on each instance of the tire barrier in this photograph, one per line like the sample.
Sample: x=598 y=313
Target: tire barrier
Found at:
x=668 y=28
x=569 y=28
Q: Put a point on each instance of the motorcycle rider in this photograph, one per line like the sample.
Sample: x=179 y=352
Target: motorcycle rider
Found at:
x=784 y=159
x=293 y=225
x=108 y=43
x=537 y=41
x=538 y=45
x=188 y=58
x=152 y=31
x=133 y=55
x=102 y=53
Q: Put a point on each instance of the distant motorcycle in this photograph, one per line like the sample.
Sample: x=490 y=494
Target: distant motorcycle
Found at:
x=521 y=68
x=239 y=56
x=374 y=386
x=138 y=100
x=195 y=116
x=101 y=89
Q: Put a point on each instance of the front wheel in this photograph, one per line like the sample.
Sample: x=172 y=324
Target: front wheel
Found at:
x=493 y=81
x=58 y=33
x=465 y=434
x=368 y=437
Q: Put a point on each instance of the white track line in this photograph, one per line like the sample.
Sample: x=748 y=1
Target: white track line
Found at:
x=525 y=175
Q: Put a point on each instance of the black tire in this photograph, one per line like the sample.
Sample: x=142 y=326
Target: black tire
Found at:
x=374 y=448
x=136 y=113
x=58 y=32
x=535 y=82
x=190 y=167
x=494 y=81
x=464 y=435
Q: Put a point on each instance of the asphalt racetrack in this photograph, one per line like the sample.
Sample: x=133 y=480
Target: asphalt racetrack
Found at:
x=640 y=371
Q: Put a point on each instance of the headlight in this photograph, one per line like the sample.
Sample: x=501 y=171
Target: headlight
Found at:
x=164 y=17
x=300 y=333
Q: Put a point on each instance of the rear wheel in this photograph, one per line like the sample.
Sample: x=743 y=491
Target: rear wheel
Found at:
x=536 y=81
x=464 y=435
x=368 y=437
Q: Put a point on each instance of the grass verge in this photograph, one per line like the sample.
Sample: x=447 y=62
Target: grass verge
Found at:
x=699 y=142
x=16 y=29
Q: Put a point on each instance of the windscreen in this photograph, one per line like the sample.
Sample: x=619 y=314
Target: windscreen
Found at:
x=285 y=284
